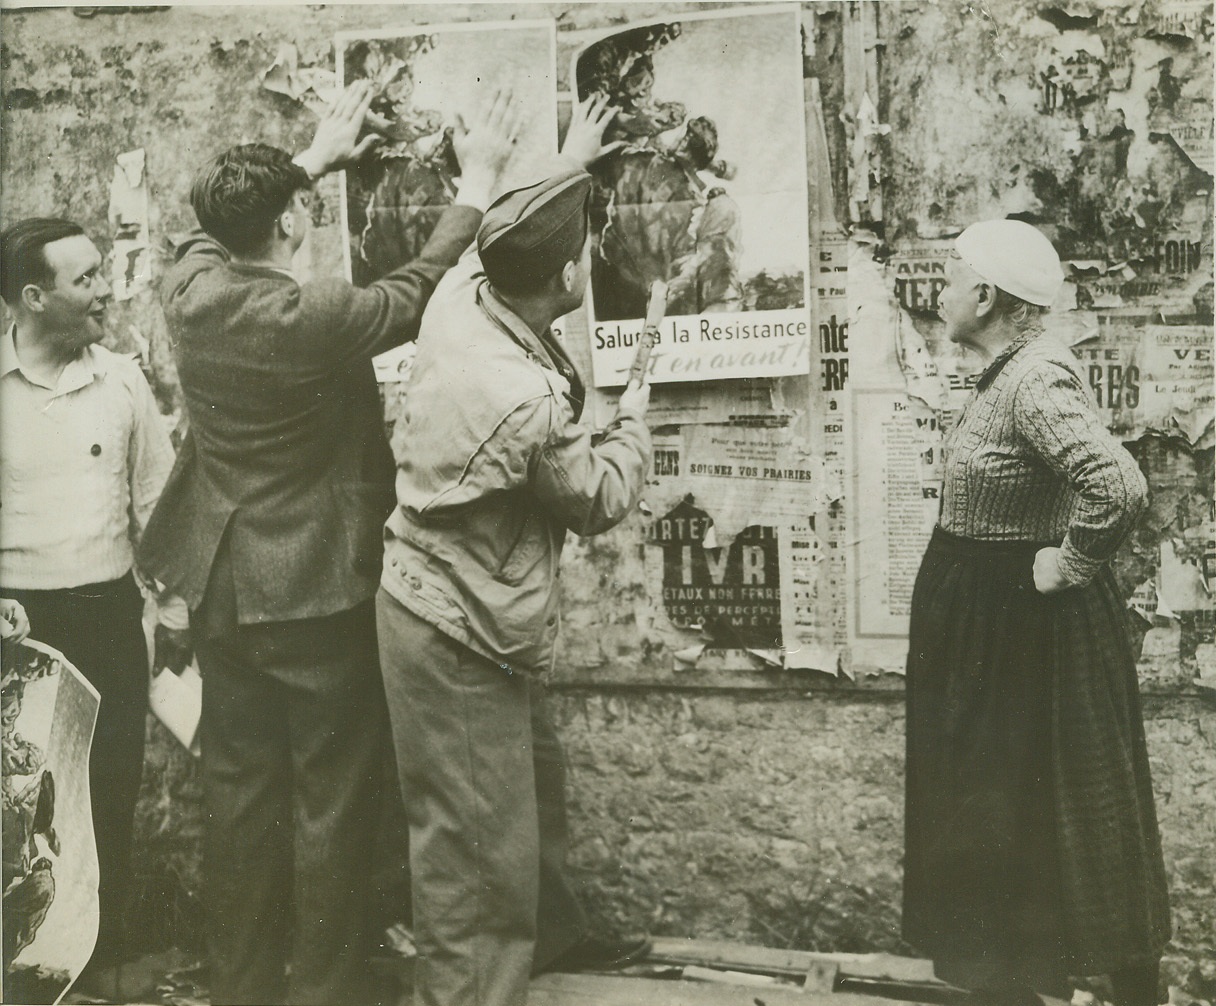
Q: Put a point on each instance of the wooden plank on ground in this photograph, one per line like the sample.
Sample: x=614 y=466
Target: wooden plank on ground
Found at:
x=765 y=960
x=734 y=956
x=610 y=990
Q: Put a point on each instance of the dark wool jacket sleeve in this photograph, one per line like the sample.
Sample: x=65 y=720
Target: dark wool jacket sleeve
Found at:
x=346 y=324
x=357 y=324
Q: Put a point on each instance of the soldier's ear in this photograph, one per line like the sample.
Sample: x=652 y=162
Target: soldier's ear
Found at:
x=568 y=271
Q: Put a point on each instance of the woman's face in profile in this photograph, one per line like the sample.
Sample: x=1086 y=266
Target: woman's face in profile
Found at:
x=959 y=299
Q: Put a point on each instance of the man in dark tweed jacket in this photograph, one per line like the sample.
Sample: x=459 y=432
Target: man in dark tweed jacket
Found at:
x=270 y=528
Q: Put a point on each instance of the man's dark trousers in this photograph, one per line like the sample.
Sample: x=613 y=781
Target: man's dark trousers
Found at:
x=99 y=628
x=292 y=734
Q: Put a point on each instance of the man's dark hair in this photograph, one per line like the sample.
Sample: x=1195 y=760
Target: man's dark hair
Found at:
x=22 y=259
x=238 y=197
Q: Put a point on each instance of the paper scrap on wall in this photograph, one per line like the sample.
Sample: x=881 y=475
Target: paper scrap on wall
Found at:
x=132 y=254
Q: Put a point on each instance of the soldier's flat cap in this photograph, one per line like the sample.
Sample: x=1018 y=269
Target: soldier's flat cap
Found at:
x=528 y=234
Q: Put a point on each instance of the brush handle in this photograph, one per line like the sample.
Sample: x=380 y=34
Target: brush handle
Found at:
x=656 y=305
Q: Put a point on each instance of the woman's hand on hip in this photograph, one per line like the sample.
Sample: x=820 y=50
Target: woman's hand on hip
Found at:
x=1047 y=576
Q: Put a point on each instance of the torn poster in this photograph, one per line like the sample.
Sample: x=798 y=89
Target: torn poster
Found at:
x=1183 y=18
x=758 y=596
x=1177 y=372
x=746 y=474
x=808 y=606
x=1069 y=73
x=832 y=319
x=424 y=78
x=865 y=189
x=708 y=193
x=731 y=593
x=132 y=254
x=1172 y=275
x=830 y=416
x=50 y=855
x=1192 y=129
x=1150 y=378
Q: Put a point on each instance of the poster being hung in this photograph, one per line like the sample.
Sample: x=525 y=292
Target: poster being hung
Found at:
x=50 y=855
x=423 y=80
x=708 y=193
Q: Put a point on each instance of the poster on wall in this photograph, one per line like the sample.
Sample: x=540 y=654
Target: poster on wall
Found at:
x=50 y=856
x=708 y=193
x=1149 y=378
x=735 y=562
x=424 y=79
x=895 y=496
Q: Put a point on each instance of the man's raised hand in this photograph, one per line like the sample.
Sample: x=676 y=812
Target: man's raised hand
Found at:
x=484 y=145
x=336 y=142
x=585 y=137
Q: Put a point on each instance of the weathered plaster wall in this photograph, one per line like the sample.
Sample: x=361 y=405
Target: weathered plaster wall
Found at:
x=766 y=807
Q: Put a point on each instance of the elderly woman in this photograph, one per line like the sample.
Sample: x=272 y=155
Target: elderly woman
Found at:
x=1032 y=846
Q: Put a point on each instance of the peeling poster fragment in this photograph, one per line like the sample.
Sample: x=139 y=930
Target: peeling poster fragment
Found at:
x=807 y=625
x=1192 y=129
x=1177 y=378
x=1182 y=18
x=315 y=88
x=132 y=258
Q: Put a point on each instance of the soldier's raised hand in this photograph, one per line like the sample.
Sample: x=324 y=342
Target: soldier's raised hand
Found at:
x=484 y=143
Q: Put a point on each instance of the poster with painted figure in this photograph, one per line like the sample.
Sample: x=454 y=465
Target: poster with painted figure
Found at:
x=50 y=855
x=425 y=79
x=708 y=193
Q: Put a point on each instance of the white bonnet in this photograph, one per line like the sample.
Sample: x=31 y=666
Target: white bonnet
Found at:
x=1015 y=257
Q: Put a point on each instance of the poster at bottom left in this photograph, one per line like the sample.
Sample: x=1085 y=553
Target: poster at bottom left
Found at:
x=50 y=855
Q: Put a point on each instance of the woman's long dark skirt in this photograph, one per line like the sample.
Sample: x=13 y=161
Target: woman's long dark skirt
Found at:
x=1031 y=838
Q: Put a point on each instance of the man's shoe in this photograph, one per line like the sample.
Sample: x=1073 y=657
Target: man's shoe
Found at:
x=594 y=953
